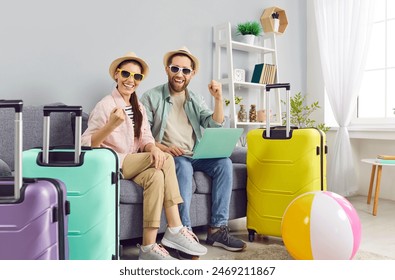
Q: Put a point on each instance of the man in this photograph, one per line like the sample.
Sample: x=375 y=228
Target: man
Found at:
x=176 y=115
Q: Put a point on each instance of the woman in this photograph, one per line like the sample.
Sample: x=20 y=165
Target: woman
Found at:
x=119 y=122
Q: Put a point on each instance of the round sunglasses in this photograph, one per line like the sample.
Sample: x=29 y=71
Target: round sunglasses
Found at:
x=126 y=74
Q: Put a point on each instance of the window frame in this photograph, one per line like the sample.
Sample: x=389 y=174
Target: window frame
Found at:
x=379 y=122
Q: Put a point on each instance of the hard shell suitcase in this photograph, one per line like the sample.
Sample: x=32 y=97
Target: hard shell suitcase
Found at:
x=33 y=212
x=282 y=163
x=92 y=177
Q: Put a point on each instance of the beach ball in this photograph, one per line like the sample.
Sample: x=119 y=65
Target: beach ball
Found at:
x=321 y=225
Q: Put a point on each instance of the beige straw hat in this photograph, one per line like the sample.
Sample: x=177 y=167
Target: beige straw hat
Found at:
x=183 y=50
x=129 y=56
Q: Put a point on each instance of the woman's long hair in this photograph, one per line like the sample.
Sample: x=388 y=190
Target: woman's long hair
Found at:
x=137 y=115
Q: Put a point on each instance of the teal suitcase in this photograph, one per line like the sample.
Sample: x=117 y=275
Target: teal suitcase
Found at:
x=91 y=176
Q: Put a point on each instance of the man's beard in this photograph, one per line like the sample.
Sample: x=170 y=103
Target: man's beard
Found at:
x=175 y=87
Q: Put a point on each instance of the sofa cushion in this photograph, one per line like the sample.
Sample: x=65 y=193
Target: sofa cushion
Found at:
x=60 y=130
x=239 y=155
x=5 y=170
x=130 y=192
x=84 y=124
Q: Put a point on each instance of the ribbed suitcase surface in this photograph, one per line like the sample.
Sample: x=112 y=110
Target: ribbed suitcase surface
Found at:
x=278 y=171
x=33 y=212
x=92 y=192
x=35 y=226
x=91 y=176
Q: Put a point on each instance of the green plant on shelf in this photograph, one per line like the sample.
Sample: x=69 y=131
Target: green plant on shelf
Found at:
x=249 y=28
x=238 y=99
x=301 y=113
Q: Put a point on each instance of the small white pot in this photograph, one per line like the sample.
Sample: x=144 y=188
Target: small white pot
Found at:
x=247 y=39
x=276 y=24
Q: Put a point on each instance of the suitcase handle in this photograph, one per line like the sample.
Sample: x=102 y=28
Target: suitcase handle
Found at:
x=268 y=87
x=17 y=105
x=287 y=86
x=47 y=110
x=62 y=108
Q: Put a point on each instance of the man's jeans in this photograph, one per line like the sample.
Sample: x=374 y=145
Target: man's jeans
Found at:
x=221 y=172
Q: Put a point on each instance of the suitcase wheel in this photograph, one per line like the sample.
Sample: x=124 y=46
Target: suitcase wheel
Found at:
x=251 y=235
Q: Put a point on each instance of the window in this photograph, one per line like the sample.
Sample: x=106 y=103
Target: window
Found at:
x=376 y=101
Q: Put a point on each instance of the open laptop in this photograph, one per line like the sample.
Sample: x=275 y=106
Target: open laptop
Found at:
x=217 y=143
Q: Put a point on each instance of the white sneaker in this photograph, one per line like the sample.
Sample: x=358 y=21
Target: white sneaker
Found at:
x=185 y=241
x=157 y=252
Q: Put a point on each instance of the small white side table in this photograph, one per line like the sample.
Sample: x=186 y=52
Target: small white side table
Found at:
x=379 y=166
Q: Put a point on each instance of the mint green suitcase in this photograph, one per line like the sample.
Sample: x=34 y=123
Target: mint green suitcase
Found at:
x=91 y=176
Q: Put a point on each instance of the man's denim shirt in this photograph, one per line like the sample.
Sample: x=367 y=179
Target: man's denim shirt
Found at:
x=158 y=104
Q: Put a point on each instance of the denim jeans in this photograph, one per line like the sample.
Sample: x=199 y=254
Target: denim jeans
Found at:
x=221 y=172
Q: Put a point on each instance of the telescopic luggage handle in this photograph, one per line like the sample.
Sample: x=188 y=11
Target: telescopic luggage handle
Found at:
x=78 y=124
x=287 y=87
x=18 y=106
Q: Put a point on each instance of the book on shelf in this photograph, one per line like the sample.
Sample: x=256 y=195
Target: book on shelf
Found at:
x=386 y=157
x=385 y=161
x=256 y=75
x=273 y=74
x=269 y=74
x=264 y=73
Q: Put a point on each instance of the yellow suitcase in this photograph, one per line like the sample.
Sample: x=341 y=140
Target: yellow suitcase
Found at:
x=282 y=163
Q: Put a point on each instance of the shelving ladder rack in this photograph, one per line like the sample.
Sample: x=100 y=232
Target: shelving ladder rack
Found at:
x=223 y=41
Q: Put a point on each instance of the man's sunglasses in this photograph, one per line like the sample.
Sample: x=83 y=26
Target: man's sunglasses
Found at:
x=126 y=74
x=176 y=69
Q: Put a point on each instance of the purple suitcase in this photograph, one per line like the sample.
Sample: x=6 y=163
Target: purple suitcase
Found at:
x=33 y=212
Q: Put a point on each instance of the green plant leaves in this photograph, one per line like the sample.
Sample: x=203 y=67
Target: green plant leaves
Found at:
x=238 y=99
x=300 y=113
x=249 y=27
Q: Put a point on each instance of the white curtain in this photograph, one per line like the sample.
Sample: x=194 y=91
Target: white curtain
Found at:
x=343 y=29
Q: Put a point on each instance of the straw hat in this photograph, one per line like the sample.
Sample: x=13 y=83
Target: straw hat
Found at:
x=129 y=56
x=183 y=50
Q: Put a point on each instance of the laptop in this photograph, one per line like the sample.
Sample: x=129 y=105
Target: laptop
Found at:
x=217 y=143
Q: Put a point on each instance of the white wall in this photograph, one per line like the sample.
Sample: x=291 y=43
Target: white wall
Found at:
x=61 y=50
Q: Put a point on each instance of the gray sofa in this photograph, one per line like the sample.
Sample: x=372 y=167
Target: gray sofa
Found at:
x=131 y=209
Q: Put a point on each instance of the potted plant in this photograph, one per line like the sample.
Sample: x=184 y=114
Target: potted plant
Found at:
x=300 y=113
x=227 y=114
x=238 y=99
x=248 y=31
x=276 y=21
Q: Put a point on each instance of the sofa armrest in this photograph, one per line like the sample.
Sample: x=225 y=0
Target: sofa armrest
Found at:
x=239 y=155
x=5 y=170
x=85 y=117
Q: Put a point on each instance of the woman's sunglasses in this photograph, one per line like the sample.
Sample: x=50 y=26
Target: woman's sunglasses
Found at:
x=176 y=69
x=126 y=74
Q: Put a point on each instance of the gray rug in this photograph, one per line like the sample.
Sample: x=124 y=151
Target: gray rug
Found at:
x=279 y=252
x=273 y=249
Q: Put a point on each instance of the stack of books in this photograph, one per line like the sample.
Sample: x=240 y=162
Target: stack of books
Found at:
x=264 y=73
x=389 y=159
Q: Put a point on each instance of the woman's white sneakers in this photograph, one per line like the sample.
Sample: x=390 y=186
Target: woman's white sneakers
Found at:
x=185 y=241
x=156 y=252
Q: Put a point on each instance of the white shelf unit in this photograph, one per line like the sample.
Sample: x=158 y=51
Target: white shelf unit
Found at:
x=225 y=52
